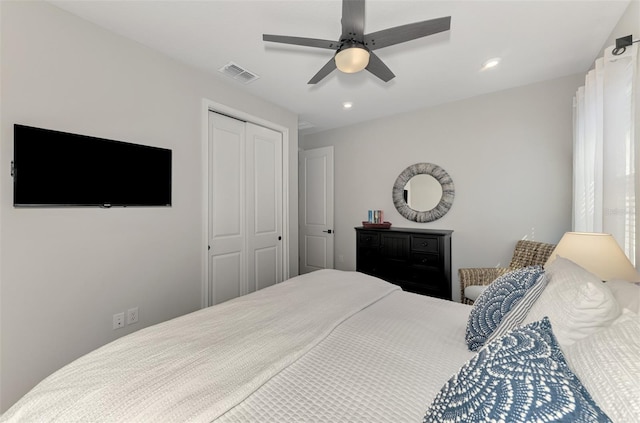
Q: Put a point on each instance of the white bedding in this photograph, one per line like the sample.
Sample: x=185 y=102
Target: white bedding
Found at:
x=385 y=364
x=325 y=346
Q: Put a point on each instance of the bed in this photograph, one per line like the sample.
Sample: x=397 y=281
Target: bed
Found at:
x=338 y=346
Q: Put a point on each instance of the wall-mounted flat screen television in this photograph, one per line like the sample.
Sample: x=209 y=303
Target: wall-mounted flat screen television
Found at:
x=57 y=169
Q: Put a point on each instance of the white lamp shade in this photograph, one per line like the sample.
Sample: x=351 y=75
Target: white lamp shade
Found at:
x=352 y=59
x=598 y=253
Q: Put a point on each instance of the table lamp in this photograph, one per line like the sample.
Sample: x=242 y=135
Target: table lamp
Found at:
x=598 y=253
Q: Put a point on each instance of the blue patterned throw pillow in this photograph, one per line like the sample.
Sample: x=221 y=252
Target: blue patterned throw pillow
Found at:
x=520 y=377
x=496 y=301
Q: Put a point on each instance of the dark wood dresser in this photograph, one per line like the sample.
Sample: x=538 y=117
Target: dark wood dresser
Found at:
x=419 y=260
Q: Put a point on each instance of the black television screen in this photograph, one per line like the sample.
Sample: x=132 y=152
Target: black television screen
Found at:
x=53 y=168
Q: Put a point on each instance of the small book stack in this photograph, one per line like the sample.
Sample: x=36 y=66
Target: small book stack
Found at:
x=376 y=216
x=376 y=220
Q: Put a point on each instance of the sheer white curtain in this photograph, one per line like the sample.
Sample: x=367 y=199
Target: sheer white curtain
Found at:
x=606 y=145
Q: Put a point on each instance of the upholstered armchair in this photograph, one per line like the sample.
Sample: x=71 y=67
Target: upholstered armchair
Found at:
x=526 y=253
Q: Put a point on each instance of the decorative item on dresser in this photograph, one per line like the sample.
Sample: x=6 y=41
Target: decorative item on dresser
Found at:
x=418 y=260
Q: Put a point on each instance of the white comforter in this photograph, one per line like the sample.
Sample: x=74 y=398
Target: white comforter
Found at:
x=384 y=364
x=293 y=343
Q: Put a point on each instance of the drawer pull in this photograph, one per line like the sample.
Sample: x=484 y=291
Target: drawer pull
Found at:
x=424 y=244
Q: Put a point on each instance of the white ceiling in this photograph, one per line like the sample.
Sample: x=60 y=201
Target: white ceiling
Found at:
x=537 y=40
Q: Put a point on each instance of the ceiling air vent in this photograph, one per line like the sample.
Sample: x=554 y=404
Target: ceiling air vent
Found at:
x=239 y=73
x=302 y=124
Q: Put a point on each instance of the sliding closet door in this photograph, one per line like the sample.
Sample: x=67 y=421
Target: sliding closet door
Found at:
x=264 y=207
x=227 y=228
x=245 y=208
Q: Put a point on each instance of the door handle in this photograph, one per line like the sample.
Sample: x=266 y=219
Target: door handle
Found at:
x=329 y=231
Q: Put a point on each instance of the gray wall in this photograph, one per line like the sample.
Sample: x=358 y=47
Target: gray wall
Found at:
x=508 y=153
x=65 y=272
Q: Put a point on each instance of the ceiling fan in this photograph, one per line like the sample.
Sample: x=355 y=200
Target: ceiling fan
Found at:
x=354 y=49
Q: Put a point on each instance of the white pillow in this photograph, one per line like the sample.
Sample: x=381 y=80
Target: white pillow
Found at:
x=608 y=365
x=576 y=302
x=627 y=293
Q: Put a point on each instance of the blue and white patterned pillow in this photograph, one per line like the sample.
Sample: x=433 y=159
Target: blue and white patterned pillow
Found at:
x=519 y=311
x=496 y=301
x=521 y=377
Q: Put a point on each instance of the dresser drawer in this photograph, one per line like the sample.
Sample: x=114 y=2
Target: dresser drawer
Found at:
x=368 y=239
x=427 y=244
x=432 y=277
x=425 y=259
x=369 y=267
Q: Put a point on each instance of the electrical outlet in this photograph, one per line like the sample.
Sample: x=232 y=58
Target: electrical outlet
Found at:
x=118 y=320
x=132 y=315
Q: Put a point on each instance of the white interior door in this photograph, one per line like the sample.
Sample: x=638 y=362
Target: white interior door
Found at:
x=245 y=216
x=227 y=157
x=316 y=209
x=264 y=207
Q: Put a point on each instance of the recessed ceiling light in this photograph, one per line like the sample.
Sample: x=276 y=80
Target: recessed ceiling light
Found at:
x=491 y=63
x=347 y=105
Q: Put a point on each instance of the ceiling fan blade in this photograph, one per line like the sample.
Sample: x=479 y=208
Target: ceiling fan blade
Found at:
x=326 y=70
x=400 y=34
x=301 y=41
x=378 y=68
x=353 y=19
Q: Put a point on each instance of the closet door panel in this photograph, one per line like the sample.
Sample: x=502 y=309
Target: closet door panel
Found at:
x=225 y=270
x=264 y=206
x=266 y=269
x=227 y=233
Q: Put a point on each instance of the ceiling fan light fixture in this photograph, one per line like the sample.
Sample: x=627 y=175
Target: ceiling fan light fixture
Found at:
x=352 y=59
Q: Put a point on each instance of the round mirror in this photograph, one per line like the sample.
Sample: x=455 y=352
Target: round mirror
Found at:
x=423 y=192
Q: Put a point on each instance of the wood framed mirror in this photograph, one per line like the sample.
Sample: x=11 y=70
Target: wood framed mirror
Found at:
x=423 y=192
